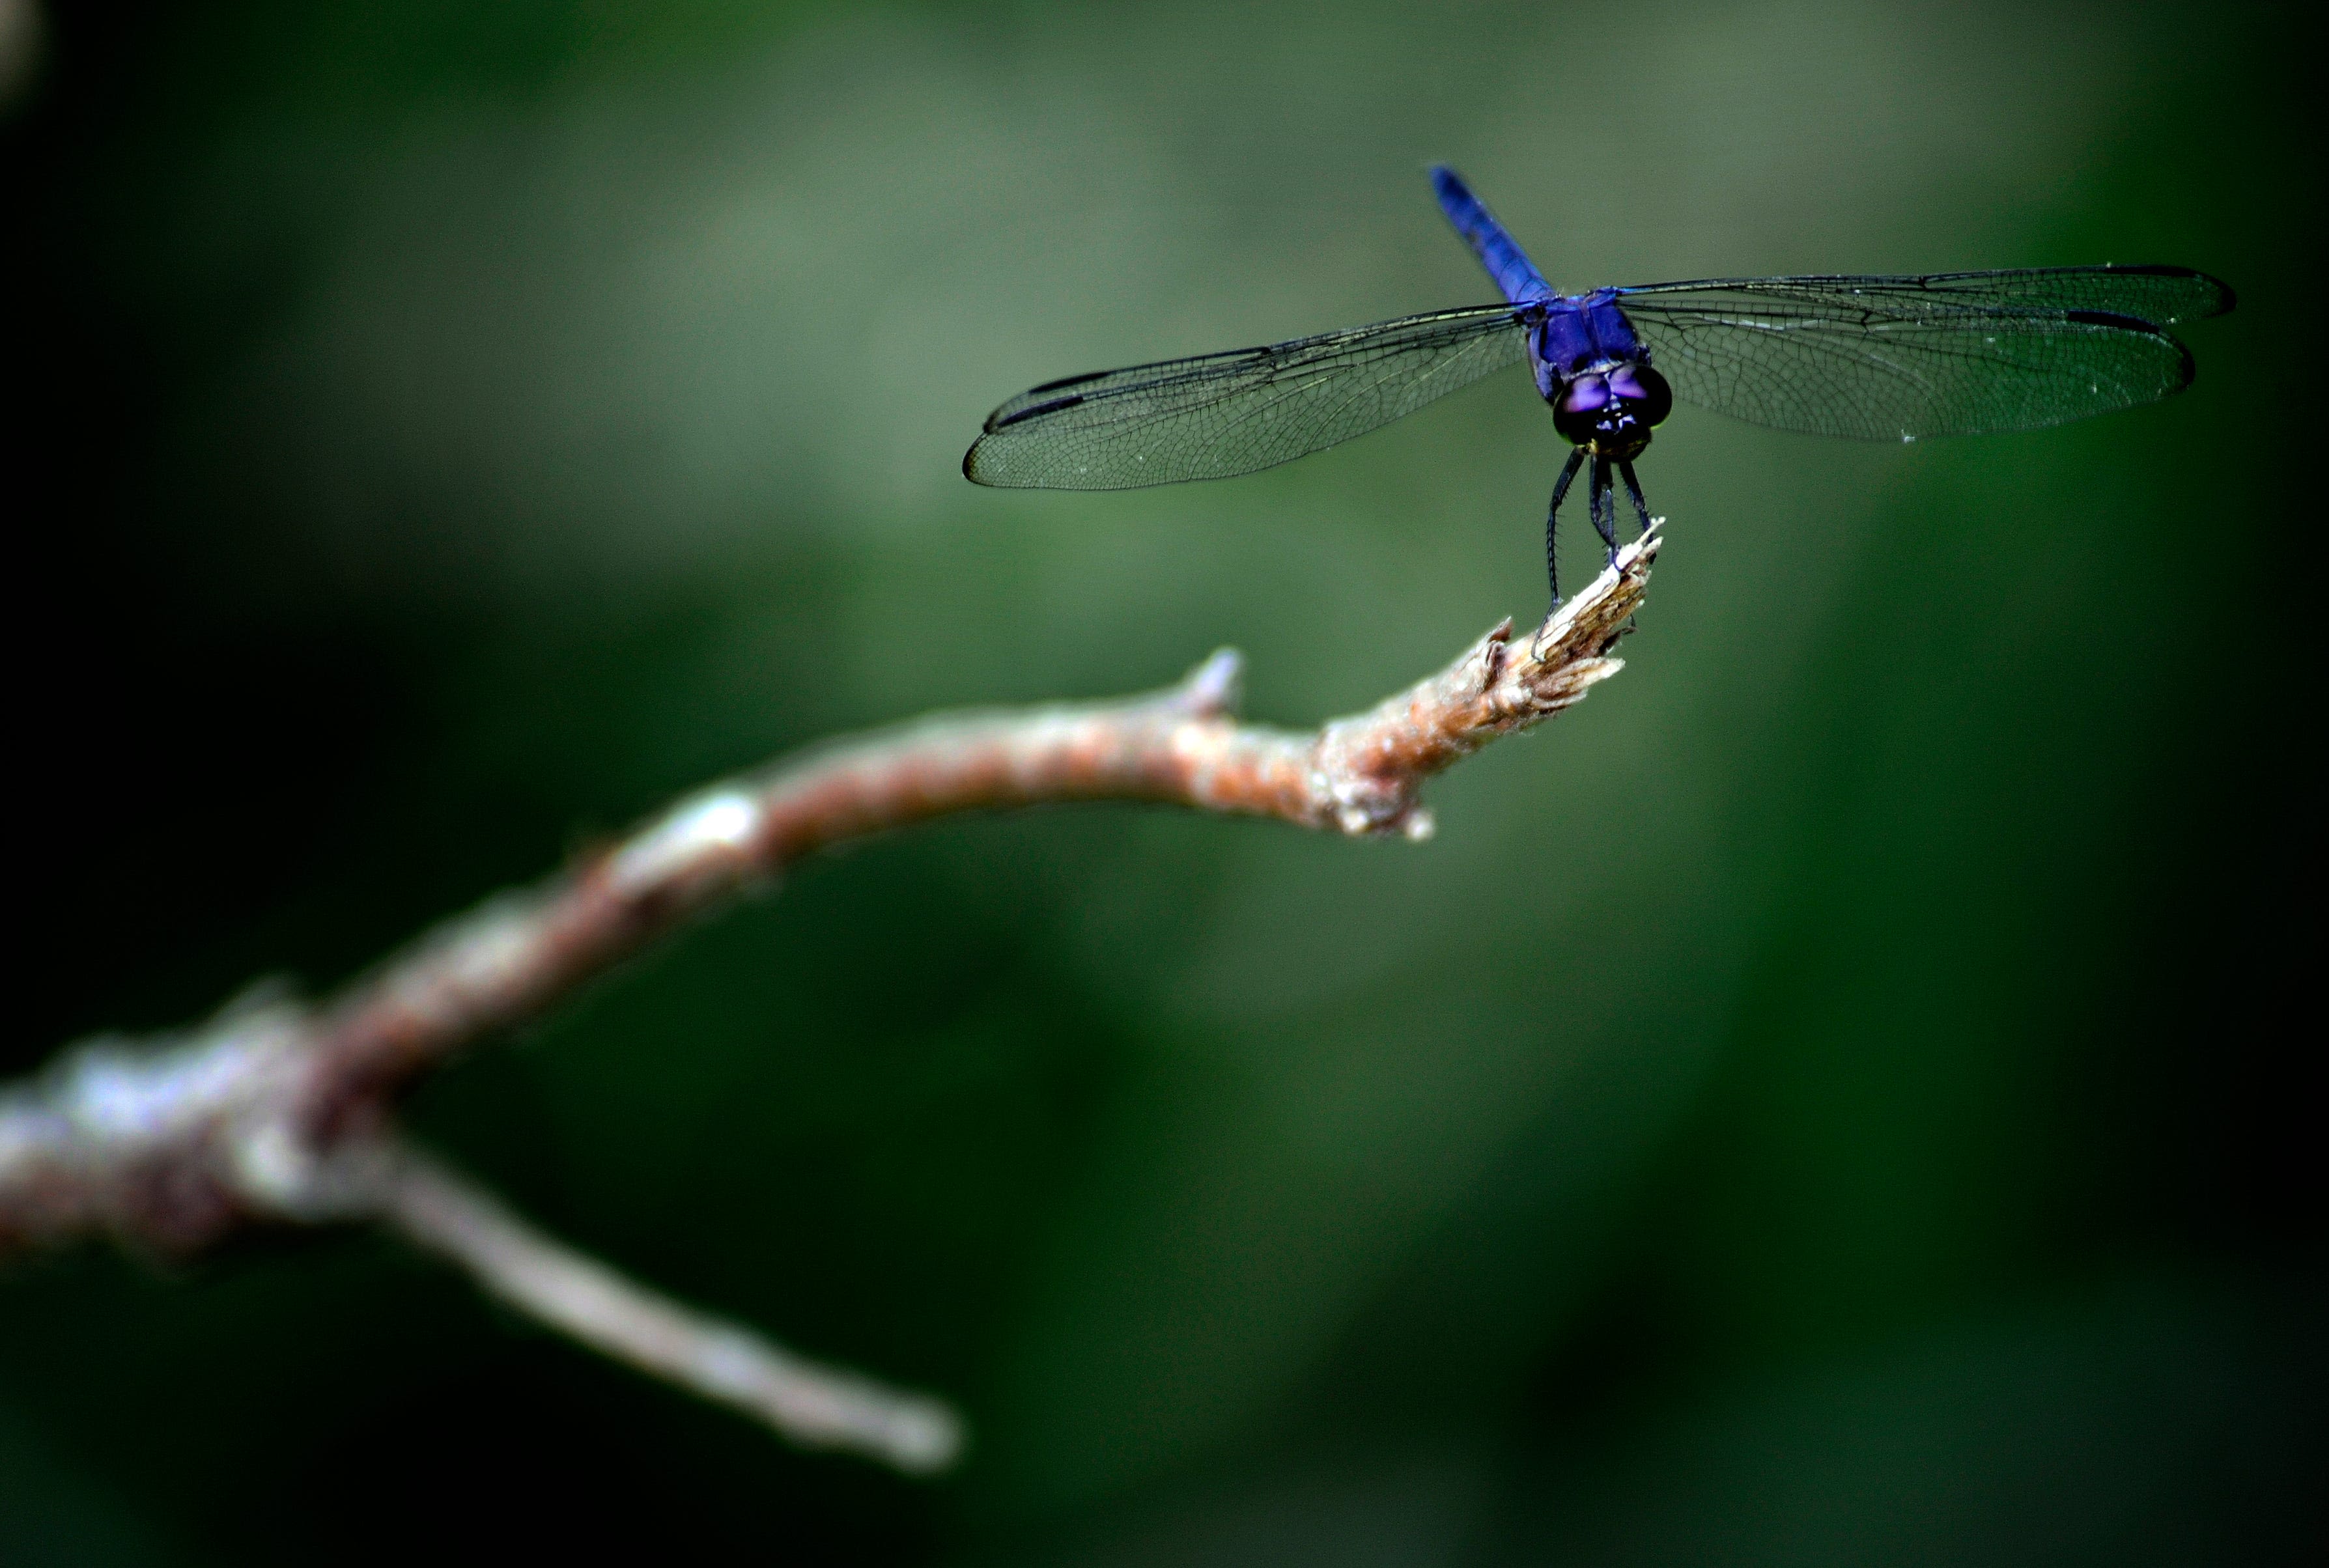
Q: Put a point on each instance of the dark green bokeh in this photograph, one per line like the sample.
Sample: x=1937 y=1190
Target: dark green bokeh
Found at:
x=1831 y=1099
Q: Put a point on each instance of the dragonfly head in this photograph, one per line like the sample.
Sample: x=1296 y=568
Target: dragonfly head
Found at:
x=1611 y=411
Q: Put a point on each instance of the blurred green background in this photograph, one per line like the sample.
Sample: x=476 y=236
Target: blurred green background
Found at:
x=1835 y=1098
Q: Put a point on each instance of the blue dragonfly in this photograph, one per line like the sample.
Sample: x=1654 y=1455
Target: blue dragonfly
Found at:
x=1877 y=358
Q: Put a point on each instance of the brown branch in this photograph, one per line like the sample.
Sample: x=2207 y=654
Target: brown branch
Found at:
x=263 y=1113
x=504 y=963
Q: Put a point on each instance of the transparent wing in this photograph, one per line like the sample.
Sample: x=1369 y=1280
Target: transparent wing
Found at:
x=1950 y=354
x=1221 y=414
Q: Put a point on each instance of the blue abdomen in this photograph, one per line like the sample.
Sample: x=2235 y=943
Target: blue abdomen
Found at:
x=1516 y=275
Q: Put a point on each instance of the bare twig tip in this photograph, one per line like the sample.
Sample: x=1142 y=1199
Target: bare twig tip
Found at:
x=1215 y=686
x=925 y=1440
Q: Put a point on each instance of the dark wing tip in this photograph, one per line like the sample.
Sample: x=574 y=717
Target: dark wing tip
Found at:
x=2220 y=304
x=978 y=468
x=2186 y=367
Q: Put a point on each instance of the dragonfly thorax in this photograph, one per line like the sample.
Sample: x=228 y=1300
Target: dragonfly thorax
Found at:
x=1610 y=410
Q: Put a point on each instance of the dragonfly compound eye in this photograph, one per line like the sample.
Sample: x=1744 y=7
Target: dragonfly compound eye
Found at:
x=1612 y=410
x=1582 y=407
x=1645 y=390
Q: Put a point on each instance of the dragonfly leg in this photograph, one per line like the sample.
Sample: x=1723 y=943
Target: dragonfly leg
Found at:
x=1552 y=523
x=1602 y=501
x=1633 y=489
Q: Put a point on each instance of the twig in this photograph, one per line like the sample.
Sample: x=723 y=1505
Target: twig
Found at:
x=815 y=1406
x=275 y=1111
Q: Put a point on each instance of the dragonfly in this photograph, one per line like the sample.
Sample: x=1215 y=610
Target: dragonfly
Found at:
x=1871 y=357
